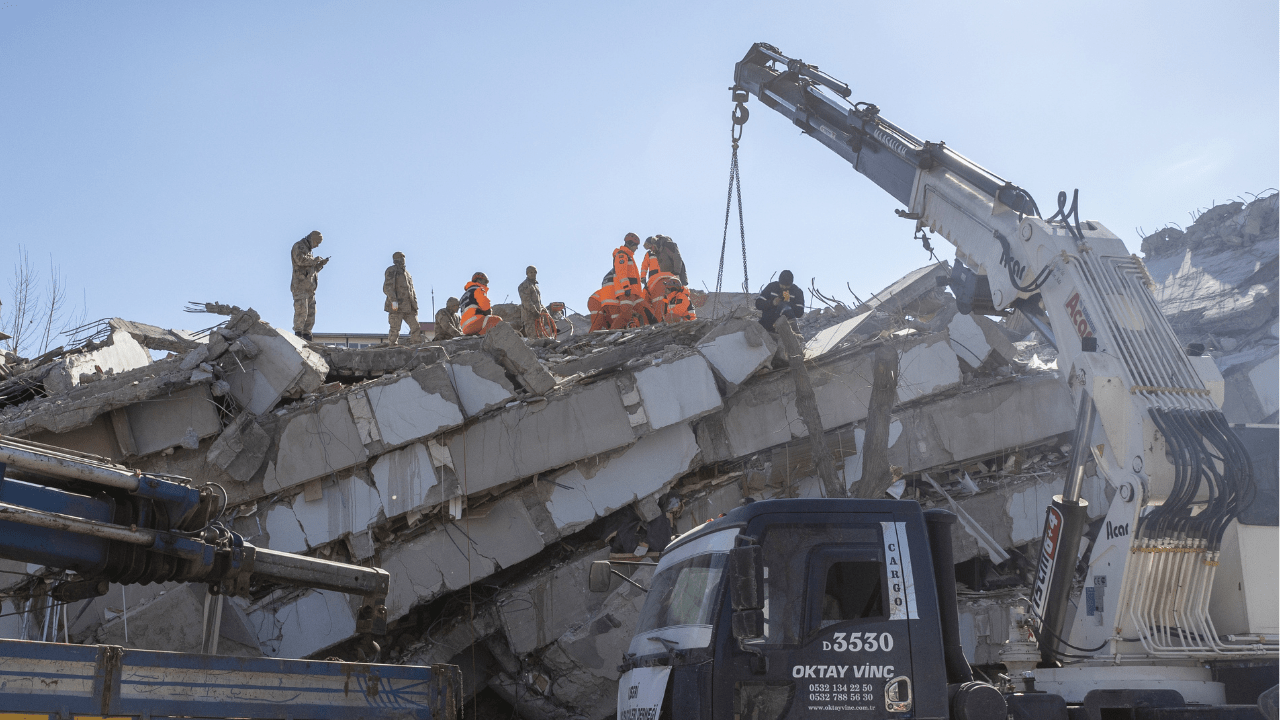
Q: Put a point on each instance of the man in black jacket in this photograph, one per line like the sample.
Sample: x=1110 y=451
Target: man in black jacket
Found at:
x=779 y=299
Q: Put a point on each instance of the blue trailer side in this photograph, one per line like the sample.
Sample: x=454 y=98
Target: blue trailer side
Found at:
x=100 y=680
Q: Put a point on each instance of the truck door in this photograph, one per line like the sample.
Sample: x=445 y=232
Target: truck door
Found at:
x=839 y=604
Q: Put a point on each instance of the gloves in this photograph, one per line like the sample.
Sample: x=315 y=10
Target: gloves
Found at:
x=777 y=300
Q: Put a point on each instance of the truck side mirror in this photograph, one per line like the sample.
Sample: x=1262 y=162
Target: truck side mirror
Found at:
x=746 y=578
x=598 y=580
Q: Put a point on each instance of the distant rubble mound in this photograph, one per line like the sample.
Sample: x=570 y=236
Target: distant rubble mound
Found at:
x=1216 y=282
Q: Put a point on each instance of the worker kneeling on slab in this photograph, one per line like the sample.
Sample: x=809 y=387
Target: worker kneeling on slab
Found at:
x=780 y=299
x=476 y=316
x=678 y=306
x=603 y=304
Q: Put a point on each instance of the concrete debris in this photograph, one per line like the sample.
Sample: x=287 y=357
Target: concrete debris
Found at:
x=501 y=467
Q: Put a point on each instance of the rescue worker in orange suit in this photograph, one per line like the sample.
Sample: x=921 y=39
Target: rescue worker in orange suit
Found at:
x=476 y=317
x=602 y=304
x=679 y=304
x=626 y=283
x=654 y=280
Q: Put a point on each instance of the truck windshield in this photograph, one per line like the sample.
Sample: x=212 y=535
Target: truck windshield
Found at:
x=684 y=596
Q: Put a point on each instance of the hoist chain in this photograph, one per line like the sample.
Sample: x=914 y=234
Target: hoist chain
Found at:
x=740 y=115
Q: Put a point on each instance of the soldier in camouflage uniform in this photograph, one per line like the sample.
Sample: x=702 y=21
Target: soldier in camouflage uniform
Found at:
x=536 y=320
x=447 y=323
x=303 y=285
x=402 y=301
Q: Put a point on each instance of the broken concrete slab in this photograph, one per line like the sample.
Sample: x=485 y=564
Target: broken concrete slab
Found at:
x=279 y=364
x=155 y=338
x=828 y=339
x=240 y=449
x=480 y=382
x=316 y=442
x=677 y=391
x=310 y=623
x=347 y=504
x=536 y=612
x=927 y=368
x=737 y=349
x=459 y=553
x=414 y=407
x=1019 y=413
x=405 y=479
x=120 y=354
x=509 y=349
x=171 y=621
x=531 y=438
x=968 y=341
x=283 y=528
x=596 y=487
x=163 y=422
x=897 y=298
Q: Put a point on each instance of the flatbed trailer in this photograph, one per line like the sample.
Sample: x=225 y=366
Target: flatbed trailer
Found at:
x=55 y=681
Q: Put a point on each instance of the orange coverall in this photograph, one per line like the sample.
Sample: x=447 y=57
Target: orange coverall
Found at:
x=626 y=286
x=476 y=319
x=679 y=307
x=603 y=306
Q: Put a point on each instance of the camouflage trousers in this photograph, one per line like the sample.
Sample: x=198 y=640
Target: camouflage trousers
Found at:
x=415 y=328
x=304 y=312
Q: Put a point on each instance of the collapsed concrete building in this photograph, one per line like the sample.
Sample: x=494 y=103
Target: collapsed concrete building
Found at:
x=486 y=474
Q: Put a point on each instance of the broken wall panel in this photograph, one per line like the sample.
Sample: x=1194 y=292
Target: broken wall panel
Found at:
x=314 y=443
x=531 y=438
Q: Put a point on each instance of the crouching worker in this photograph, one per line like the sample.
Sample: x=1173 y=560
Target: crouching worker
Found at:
x=679 y=306
x=476 y=318
x=603 y=304
x=780 y=299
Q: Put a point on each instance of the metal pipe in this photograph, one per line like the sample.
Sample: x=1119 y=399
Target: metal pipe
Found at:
x=300 y=570
x=62 y=466
x=79 y=526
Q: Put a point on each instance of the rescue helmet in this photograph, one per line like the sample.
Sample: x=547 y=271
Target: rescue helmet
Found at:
x=631 y=239
x=480 y=278
x=785 y=277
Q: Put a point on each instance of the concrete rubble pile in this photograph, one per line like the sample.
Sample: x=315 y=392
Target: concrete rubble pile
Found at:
x=1217 y=283
x=486 y=474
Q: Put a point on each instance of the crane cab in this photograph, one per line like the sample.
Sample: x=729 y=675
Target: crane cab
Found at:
x=792 y=609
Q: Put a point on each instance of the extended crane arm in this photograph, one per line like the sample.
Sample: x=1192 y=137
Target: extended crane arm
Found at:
x=108 y=524
x=1161 y=441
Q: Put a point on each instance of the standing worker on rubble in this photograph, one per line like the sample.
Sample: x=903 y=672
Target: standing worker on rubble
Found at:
x=303 y=284
x=780 y=298
x=476 y=316
x=537 y=321
x=669 y=259
x=402 y=301
x=626 y=282
x=655 y=285
x=602 y=304
x=447 y=324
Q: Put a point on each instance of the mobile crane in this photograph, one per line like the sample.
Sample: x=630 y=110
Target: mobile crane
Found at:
x=104 y=523
x=840 y=608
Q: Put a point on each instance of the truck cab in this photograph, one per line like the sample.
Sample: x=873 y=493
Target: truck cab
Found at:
x=795 y=609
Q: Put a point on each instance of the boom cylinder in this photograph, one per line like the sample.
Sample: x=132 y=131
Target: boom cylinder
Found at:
x=1064 y=525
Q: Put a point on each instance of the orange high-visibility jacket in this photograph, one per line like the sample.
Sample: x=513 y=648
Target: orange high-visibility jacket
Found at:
x=679 y=305
x=626 y=276
x=475 y=302
x=649 y=268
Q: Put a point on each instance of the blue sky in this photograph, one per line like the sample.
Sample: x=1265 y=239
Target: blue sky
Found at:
x=166 y=152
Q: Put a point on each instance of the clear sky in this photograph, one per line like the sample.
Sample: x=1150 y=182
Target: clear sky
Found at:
x=166 y=152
